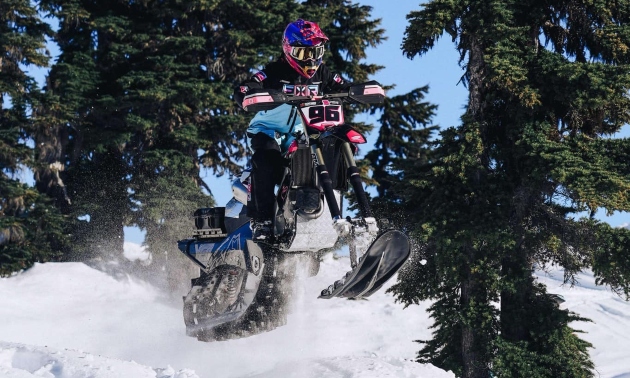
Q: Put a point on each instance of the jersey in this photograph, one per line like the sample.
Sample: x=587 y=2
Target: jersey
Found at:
x=282 y=122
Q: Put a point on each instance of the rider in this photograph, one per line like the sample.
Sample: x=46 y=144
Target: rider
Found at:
x=299 y=71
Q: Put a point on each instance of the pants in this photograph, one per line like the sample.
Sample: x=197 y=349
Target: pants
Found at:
x=267 y=171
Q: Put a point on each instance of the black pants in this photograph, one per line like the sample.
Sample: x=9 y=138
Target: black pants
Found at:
x=267 y=170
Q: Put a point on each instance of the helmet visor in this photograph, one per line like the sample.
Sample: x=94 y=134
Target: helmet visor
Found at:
x=307 y=53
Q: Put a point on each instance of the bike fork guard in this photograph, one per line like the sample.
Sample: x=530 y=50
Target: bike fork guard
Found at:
x=354 y=175
x=325 y=181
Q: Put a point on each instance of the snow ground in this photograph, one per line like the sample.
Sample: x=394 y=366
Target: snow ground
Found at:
x=609 y=331
x=67 y=320
x=65 y=316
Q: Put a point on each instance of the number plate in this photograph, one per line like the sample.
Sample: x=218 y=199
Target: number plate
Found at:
x=322 y=115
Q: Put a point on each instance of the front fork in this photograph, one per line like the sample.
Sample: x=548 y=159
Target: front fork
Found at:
x=354 y=177
x=368 y=229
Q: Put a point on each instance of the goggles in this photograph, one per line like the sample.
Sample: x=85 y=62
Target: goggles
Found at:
x=307 y=53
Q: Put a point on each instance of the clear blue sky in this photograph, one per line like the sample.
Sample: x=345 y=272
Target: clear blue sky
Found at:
x=438 y=68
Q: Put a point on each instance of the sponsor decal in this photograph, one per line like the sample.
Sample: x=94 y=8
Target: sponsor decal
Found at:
x=338 y=79
x=244 y=88
x=302 y=90
x=314 y=90
x=288 y=88
x=232 y=243
x=259 y=76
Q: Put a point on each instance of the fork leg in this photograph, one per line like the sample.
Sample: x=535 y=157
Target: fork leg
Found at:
x=326 y=182
x=355 y=180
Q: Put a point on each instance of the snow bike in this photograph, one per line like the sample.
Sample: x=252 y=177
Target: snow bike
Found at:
x=244 y=287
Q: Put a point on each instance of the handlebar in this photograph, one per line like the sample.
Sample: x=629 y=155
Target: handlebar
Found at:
x=301 y=99
x=265 y=99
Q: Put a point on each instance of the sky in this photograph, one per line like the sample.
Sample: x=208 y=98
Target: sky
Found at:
x=67 y=320
x=438 y=69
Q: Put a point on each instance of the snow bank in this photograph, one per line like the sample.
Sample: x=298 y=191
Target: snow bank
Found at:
x=21 y=361
x=609 y=331
x=349 y=366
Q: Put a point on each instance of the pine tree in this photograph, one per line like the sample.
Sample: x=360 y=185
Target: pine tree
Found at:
x=85 y=132
x=547 y=82
x=31 y=229
x=186 y=59
x=402 y=146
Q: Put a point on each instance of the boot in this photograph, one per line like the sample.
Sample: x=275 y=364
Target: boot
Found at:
x=262 y=230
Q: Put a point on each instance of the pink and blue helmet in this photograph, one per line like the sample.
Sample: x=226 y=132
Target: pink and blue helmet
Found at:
x=303 y=46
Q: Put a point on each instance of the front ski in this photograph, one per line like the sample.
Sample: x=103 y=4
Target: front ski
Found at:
x=393 y=260
x=379 y=263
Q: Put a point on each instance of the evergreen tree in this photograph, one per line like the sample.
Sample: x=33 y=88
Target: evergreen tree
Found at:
x=402 y=147
x=185 y=60
x=498 y=197
x=31 y=229
x=86 y=133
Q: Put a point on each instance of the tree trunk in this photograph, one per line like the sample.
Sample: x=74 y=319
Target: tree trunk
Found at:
x=476 y=75
x=516 y=270
x=473 y=362
x=514 y=309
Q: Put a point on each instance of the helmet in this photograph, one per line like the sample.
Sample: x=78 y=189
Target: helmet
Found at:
x=303 y=46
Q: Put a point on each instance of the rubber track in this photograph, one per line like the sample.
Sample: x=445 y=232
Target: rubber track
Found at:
x=266 y=313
